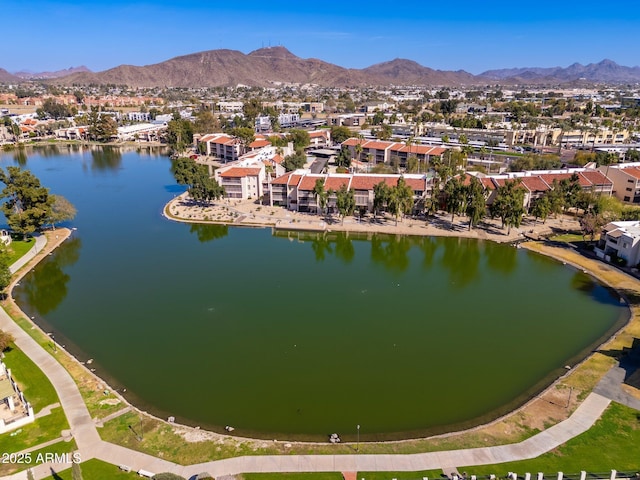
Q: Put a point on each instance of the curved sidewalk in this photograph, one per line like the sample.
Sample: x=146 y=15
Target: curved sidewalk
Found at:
x=90 y=445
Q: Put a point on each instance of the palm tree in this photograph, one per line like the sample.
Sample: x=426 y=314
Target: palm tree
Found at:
x=358 y=149
x=345 y=201
x=476 y=201
x=380 y=197
x=321 y=196
x=400 y=200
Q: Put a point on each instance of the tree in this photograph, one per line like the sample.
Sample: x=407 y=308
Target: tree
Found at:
x=378 y=118
x=358 y=150
x=101 y=127
x=294 y=161
x=28 y=204
x=251 y=109
x=206 y=122
x=380 y=197
x=5 y=272
x=400 y=200
x=412 y=164
x=320 y=195
x=556 y=198
x=384 y=132
x=570 y=188
x=541 y=208
x=6 y=339
x=509 y=204
x=244 y=134
x=299 y=138
x=62 y=210
x=340 y=133
x=343 y=159
x=632 y=155
x=51 y=108
x=179 y=134
x=201 y=186
x=345 y=201
x=453 y=197
x=475 y=202
x=591 y=224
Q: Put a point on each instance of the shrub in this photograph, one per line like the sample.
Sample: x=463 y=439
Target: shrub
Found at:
x=167 y=476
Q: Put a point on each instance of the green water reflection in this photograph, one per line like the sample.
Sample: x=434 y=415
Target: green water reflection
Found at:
x=292 y=334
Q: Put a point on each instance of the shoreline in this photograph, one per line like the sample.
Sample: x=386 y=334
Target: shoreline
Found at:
x=63 y=234
x=10 y=146
x=251 y=214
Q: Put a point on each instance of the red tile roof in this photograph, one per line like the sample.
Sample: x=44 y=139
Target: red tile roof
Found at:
x=334 y=183
x=535 y=184
x=282 y=179
x=550 y=177
x=488 y=183
x=352 y=142
x=223 y=140
x=377 y=145
x=259 y=143
x=318 y=134
x=308 y=182
x=239 y=172
x=367 y=182
x=633 y=171
x=500 y=182
x=277 y=159
x=294 y=180
x=417 y=149
x=416 y=184
x=596 y=177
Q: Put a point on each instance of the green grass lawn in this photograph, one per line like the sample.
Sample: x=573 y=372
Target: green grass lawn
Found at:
x=96 y=470
x=612 y=443
x=36 y=387
x=18 y=248
x=567 y=237
x=61 y=447
x=42 y=430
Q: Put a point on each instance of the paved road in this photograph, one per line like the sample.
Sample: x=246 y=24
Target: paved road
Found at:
x=90 y=445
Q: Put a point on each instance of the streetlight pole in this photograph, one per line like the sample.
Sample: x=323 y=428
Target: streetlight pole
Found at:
x=358 y=444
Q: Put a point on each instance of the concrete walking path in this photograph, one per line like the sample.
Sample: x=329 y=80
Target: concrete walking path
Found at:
x=90 y=445
x=40 y=243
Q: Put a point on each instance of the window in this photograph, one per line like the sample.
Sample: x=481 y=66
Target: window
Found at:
x=626 y=199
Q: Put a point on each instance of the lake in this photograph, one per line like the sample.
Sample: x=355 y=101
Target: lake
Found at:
x=297 y=335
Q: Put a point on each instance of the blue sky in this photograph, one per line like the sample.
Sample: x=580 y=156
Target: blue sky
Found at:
x=475 y=36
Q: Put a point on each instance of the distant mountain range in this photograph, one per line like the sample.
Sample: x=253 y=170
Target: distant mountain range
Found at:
x=6 y=77
x=606 y=71
x=47 y=75
x=273 y=65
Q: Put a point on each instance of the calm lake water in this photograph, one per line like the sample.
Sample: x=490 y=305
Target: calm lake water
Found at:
x=297 y=335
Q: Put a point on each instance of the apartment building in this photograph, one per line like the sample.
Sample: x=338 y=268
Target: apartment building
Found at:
x=294 y=190
x=242 y=183
x=377 y=151
x=626 y=180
